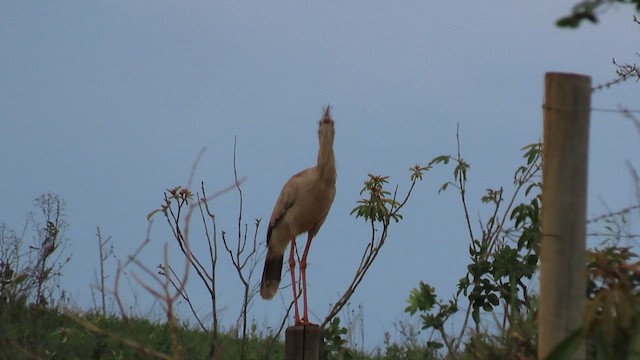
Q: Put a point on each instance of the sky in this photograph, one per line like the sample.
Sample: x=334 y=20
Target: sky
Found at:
x=108 y=104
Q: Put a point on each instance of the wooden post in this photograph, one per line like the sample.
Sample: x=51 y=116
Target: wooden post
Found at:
x=303 y=342
x=564 y=209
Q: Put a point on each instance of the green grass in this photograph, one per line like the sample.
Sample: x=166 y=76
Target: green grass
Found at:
x=36 y=332
x=28 y=332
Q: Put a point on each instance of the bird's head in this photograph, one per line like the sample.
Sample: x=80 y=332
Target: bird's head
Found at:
x=326 y=129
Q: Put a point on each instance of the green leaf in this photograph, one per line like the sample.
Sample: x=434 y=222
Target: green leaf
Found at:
x=430 y=321
x=422 y=298
x=493 y=299
x=567 y=347
x=487 y=307
x=475 y=314
x=534 y=151
x=442 y=159
x=417 y=172
x=463 y=285
x=531 y=260
x=568 y=22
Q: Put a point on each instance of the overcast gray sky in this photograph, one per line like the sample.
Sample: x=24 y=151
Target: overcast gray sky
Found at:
x=108 y=104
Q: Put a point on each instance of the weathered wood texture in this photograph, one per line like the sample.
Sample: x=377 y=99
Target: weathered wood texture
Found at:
x=564 y=208
x=303 y=342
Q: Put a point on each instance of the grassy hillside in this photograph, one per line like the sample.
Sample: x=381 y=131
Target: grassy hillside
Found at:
x=29 y=332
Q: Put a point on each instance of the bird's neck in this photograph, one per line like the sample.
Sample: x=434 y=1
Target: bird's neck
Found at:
x=326 y=161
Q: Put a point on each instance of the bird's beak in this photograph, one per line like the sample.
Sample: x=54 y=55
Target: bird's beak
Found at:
x=326 y=118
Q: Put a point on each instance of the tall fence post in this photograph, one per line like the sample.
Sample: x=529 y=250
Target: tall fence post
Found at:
x=567 y=104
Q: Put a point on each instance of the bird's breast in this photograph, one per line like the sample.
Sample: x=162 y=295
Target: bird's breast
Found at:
x=310 y=209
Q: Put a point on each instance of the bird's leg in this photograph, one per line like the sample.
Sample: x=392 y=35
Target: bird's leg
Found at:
x=292 y=270
x=303 y=273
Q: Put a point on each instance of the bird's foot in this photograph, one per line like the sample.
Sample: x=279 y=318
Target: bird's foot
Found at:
x=305 y=322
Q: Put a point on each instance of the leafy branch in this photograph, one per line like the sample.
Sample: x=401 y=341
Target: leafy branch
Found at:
x=505 y=254
x=378 y=209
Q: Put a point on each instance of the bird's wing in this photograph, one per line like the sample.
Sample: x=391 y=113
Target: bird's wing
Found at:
x=286 y=200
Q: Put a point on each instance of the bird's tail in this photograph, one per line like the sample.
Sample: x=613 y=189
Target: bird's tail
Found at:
x=271 y=274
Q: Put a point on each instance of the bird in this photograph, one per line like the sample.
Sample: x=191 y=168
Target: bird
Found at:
x=302 y=207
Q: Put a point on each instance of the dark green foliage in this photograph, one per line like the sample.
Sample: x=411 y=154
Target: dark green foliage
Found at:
x=589 y=10
x=407 y=351
x=335 y=345
x=423 y=299
x=501 y=260
x=499 y=264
